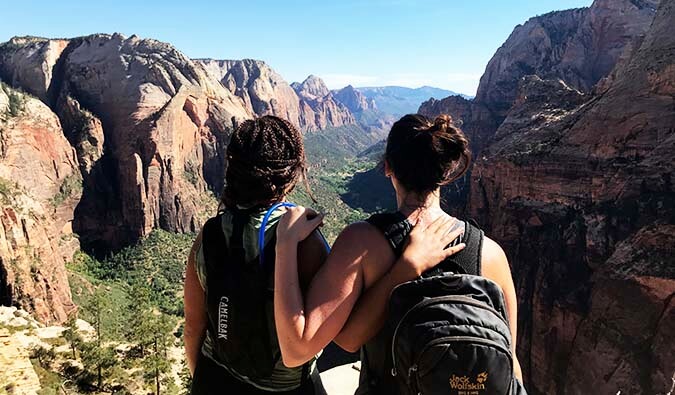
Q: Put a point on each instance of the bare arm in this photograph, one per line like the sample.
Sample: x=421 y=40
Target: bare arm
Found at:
x=425 y=250
x=195 y=310
x=305 y=326
x=496 y=268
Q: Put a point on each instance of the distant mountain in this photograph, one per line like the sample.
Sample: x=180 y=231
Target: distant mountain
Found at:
x=398 y=100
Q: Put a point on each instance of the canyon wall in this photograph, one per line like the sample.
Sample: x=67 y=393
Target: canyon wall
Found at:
x=40 y=185
x=573 y=134
x=576 y=185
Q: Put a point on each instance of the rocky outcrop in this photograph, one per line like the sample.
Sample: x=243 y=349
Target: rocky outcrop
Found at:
x=308 y=105
x=577 y=188
x=318 y=108
x=354 y=100
x=40 y=185
x=147 y=123
x=578 y=46
x=312 y=88
x=262 y=89
x=474 y=118
x=29 y=62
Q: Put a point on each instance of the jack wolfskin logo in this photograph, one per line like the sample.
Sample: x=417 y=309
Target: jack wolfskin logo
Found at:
x=482 y=377
x=466 y=386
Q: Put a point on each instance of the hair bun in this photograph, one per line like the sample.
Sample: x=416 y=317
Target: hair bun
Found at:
x=443 y=121
x=425 y=154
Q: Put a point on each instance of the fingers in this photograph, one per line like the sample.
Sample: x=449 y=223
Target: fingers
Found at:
x=437 y=223
x=453 y=250
x=449 y=237
x=311 y=213
x=317 y=220
x=442 y=224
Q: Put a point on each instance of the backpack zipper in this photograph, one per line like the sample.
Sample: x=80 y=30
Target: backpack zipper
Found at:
x=414 y=369
x=456 y=298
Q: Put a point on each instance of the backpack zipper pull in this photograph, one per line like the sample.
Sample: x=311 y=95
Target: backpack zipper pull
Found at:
x=412 y=378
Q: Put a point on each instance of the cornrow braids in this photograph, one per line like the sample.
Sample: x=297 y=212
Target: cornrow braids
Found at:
x=265 y=159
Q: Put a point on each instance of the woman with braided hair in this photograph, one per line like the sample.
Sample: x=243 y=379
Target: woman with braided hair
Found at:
x=230 y=338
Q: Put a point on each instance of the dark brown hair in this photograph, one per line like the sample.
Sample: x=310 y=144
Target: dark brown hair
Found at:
x=425 y=154
x=265 y=159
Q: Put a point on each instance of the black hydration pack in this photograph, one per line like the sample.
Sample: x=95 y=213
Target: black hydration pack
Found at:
x=448 y=331
x=240 y=297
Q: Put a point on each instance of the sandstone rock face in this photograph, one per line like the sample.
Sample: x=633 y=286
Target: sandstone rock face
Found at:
x=579 y=46
x=474 y=118
x=576 y=187
x=40 y=185
x=147 y=124
x=29 y=62
x=308 y=105
x=312 y=88
x=262 y=89
x=318 y=107
x=354 y=100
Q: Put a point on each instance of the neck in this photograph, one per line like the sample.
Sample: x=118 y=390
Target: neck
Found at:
x=413 y=204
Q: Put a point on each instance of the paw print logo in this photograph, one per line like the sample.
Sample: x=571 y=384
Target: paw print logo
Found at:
x=482 y=377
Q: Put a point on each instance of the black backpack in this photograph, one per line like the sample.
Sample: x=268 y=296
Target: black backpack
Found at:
x=448 y=330
x=240 y=297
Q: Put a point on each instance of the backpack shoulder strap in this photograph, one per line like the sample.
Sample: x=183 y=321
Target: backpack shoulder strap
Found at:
x=395 y=228
x=469 y=259
x=214 y=246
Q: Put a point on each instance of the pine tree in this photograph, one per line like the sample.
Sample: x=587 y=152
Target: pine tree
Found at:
x=185 y=378
x=95 y=355
x=157 y=362
x=72 y=335
x=139 y=309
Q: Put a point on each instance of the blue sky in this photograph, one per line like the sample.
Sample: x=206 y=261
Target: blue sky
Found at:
x=443 y=43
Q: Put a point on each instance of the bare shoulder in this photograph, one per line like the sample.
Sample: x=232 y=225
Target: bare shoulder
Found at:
x=495 y=265
x=360 y=236
x=364 y=243
x=492 y=253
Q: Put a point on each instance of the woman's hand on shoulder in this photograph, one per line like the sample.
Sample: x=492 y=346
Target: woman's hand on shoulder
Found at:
x=297 y=224
x=427 y=244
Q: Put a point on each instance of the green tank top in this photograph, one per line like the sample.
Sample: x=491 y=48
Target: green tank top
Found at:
x=282 y=377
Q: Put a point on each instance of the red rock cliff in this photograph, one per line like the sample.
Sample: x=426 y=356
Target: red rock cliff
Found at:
x=577 y=188
x=40 y=185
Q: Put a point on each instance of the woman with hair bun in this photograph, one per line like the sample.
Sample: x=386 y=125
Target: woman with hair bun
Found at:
x=347 y=299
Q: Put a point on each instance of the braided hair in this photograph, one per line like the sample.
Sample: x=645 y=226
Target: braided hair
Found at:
x=265 y=160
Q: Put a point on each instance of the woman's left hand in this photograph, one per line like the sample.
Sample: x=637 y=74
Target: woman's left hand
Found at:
x=297 y=224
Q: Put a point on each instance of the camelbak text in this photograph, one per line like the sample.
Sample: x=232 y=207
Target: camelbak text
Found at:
x=222 y=317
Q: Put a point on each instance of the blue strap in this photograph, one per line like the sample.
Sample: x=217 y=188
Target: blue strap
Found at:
x=263 y=225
